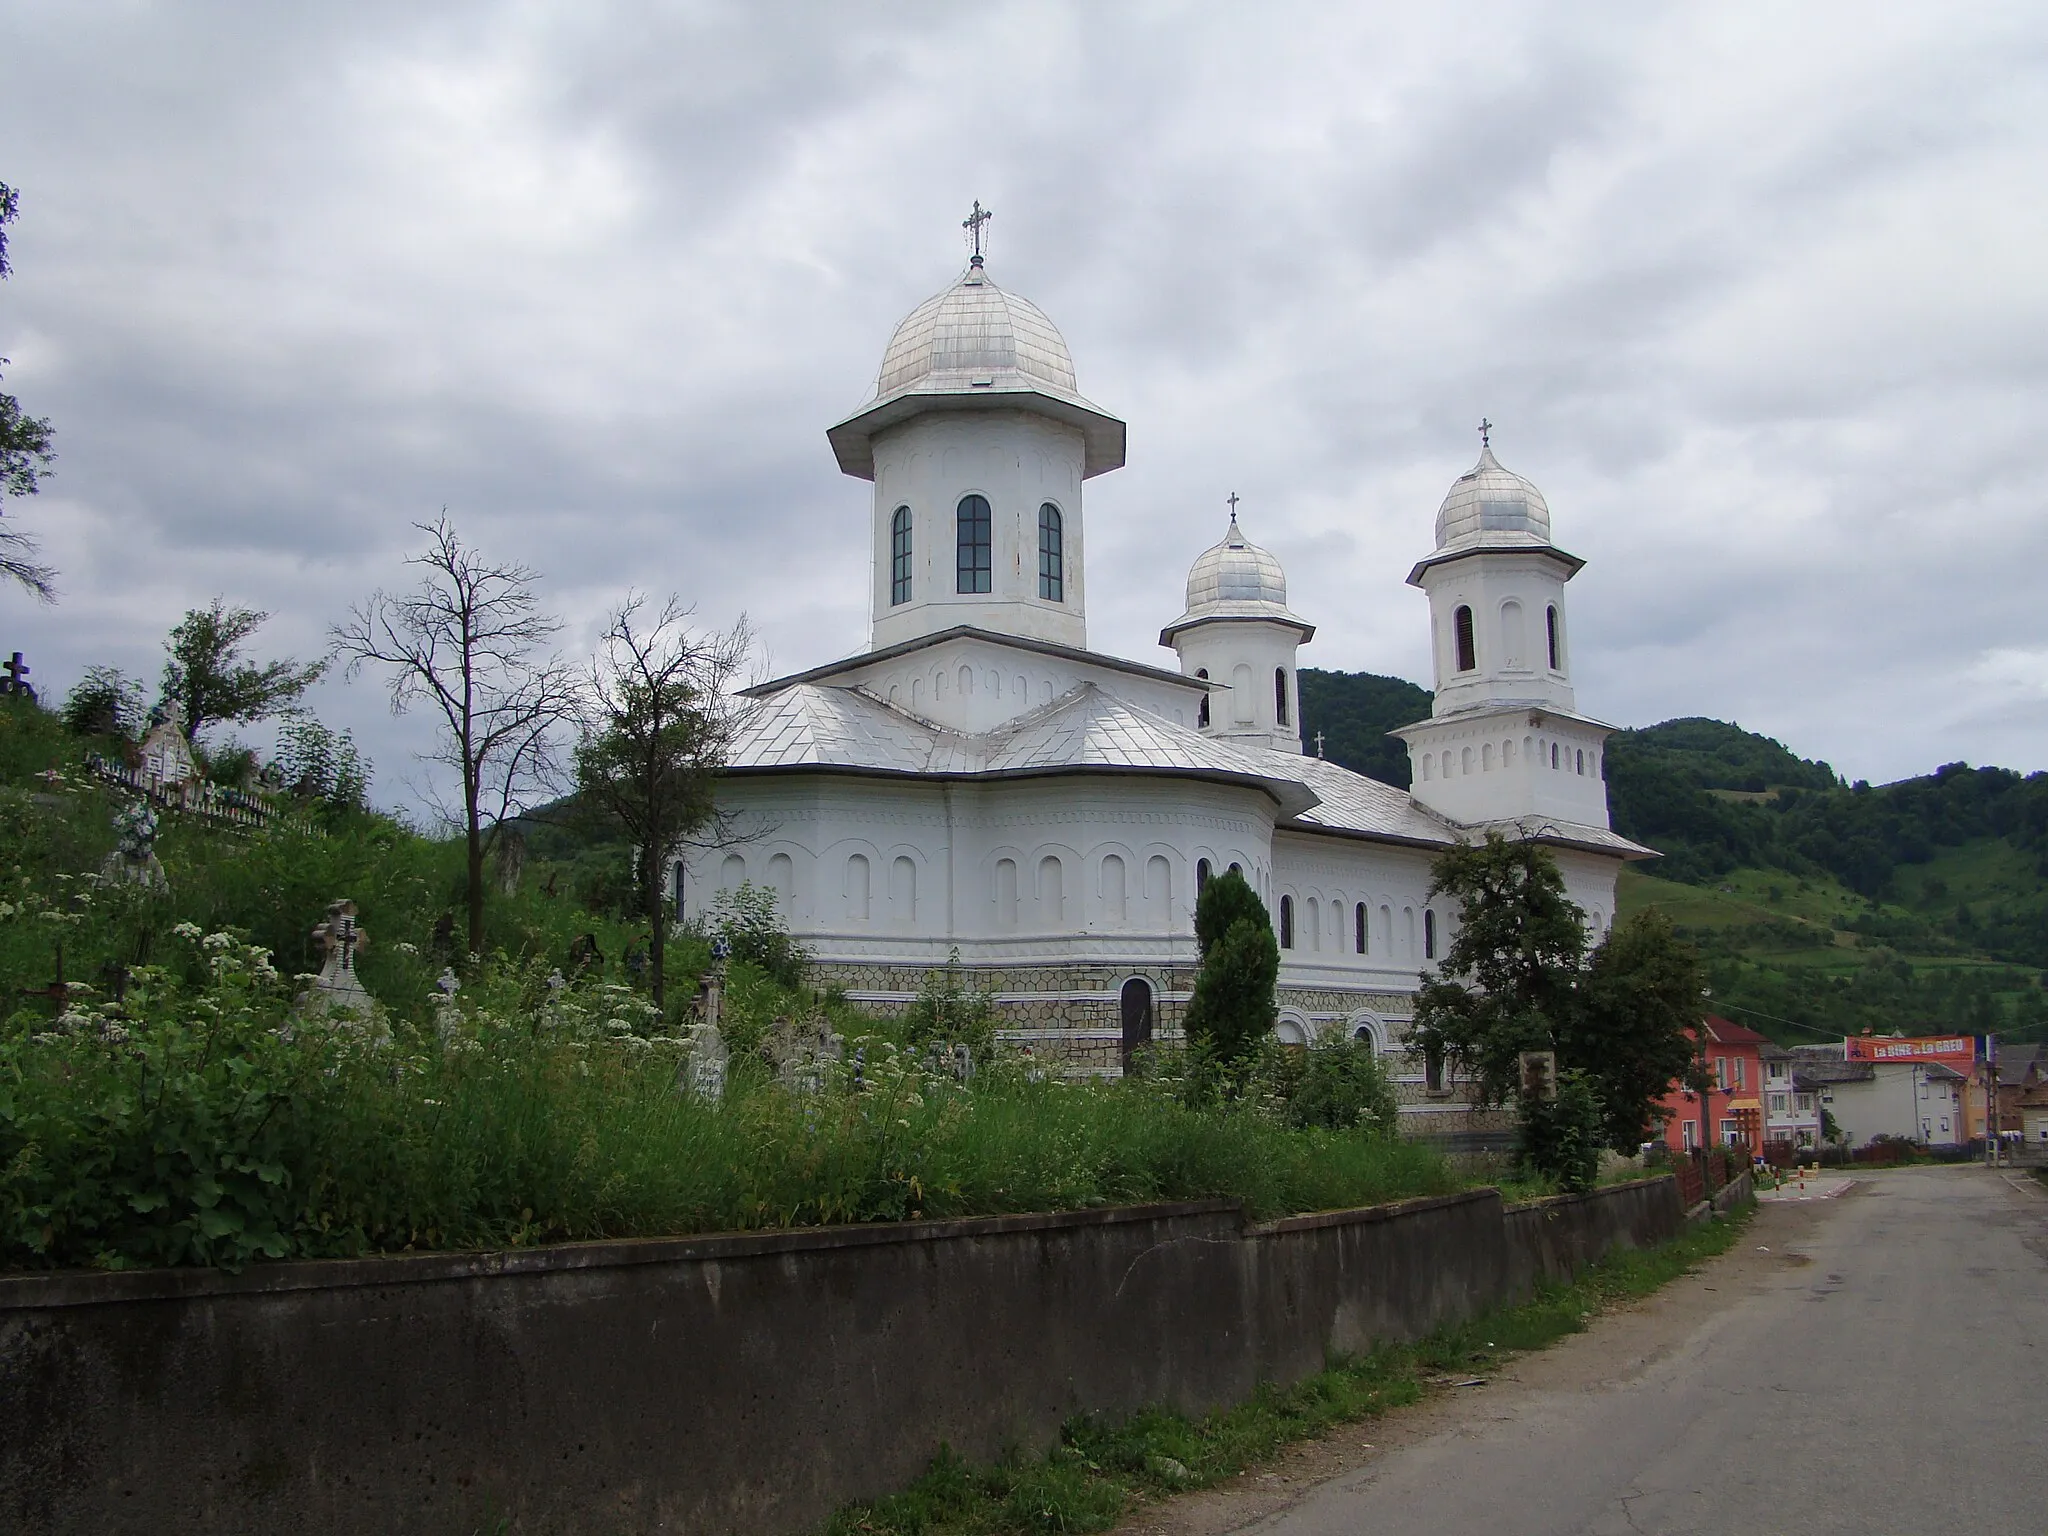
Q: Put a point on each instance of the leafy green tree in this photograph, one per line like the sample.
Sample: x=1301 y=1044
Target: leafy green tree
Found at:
x=658 y=720
x=315 y=762
x=1639 y=996
x=106 y=702
x=207 y=677
x=749 y=920
x=1232 y=1008
x=1517 y=978
x=1508 y=980
x=24 y=455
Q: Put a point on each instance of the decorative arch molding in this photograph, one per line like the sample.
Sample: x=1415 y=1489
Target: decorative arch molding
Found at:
x=1363 y=1023
x=1293 y=1027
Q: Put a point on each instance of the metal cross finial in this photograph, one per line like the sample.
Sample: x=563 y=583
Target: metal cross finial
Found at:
x=972 y=224
x=1485 y=433
x=1319 y=743
x=1232 y=499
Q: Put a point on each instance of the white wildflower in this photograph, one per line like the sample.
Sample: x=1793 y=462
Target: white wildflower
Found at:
x=186 y=931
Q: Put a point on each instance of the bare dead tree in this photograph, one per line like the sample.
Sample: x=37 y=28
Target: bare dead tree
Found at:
x=471 y=642
x=659 y=716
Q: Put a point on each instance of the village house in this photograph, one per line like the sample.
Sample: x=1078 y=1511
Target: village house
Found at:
x=1731 y=1110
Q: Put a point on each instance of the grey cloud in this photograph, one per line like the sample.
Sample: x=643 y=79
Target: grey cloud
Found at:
x=1750 y=295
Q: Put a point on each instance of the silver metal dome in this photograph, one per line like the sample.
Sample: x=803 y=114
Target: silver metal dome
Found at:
x=1492 y=506
x=975 y=347
x=1235 y=579
x=974 y=330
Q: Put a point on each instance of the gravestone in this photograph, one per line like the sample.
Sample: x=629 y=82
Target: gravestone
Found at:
x=448 y=1016
x=134 y=860
x=803 y=1052
x=705 y=1065
x=165 y=757
x=337 y=990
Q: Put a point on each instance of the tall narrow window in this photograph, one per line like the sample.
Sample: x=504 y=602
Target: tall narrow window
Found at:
x=1201 y=877
x=1280 y=695
x=1287 y=922
x=1052 y=566
x=1468 y=650
x=975 y=544
x=899 y=557
x=1358 y=919
x=1202 y=709
x=1550 y=624
x=1428 y=933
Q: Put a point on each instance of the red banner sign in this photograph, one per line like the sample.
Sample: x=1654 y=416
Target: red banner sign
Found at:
x=1949 y=1050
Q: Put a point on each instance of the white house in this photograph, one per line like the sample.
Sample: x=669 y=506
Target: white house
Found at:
x=979 y=781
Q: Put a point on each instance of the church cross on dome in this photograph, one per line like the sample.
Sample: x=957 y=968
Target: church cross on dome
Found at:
x=1232 y=499
x=972 y=224
x=1485 y=426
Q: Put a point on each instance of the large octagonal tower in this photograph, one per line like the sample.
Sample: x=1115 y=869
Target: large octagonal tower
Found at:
x=977 y=441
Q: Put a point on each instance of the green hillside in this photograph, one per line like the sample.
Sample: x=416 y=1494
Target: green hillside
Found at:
x=1822 y=907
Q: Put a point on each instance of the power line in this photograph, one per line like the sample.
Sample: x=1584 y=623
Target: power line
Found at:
x=1811 y=1029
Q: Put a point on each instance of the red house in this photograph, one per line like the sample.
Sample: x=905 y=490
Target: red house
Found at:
x=1732 y=1109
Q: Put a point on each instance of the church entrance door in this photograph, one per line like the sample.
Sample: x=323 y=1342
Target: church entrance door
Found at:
x=1137 y=1011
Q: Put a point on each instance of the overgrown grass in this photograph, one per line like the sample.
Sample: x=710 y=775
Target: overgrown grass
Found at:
x=1101 y=1469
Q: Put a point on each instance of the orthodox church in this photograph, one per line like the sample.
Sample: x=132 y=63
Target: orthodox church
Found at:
x=979 y=781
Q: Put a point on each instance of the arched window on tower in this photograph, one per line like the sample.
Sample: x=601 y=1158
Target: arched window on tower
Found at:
x=899 y=557
x=1280 y=695
x=1287 y=922
x=1550 y=626
x=1201 y=877
x=1429 y=933
x=974 y=540
x=1468 y=650
x=1358 y=929
x=1052 y=568
x=1202 y=709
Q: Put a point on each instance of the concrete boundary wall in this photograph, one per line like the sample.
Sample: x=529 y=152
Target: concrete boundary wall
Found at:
x=745 y=1383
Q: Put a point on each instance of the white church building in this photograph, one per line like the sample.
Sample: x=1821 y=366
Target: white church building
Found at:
x=979 y=781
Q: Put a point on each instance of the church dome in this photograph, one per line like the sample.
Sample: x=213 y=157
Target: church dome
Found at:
x=974 y=331
x=1235 y=579
x=1489 y=505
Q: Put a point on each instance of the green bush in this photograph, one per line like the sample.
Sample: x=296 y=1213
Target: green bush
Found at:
x=1342 y=1087
x=1560 y=1138
x=1232 y=1007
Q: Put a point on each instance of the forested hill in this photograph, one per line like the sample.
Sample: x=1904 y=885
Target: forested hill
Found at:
x=1954 y=861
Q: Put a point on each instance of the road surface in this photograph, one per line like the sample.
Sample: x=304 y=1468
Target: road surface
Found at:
x=1871 y=1363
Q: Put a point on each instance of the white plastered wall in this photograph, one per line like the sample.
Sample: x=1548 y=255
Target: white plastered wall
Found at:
x=1018 y=461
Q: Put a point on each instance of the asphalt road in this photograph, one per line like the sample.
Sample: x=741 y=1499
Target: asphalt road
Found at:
x=1882 y=1368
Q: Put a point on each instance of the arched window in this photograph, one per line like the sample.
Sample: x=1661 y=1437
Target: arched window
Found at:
x=1514 y=648
x=1468 y=650
x=1201 y=877
x=1447 y=762
x=677 y=897
x=966 y=681
x=1428 y=766
x=899 y=556
x=1507 y=753
x=1287 y=922
x=1465 y=760
x=732 y=874
x=1006 y=892
x=1358 y=933
x=1486 y=758
x=1241 y=700
x=1280 y=695
x=857 y=887
x=1553 y=754
x=782 y=880
x=1202 y=709
x=903 y=889
x=1159 y=890
x=1582 y=764
x=974 y=540
x=1312 y=920
x=1052 y=564
x=1429 y=933
x=1550 y=625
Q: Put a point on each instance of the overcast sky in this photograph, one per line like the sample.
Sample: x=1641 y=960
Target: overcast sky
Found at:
x=1754 y=293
